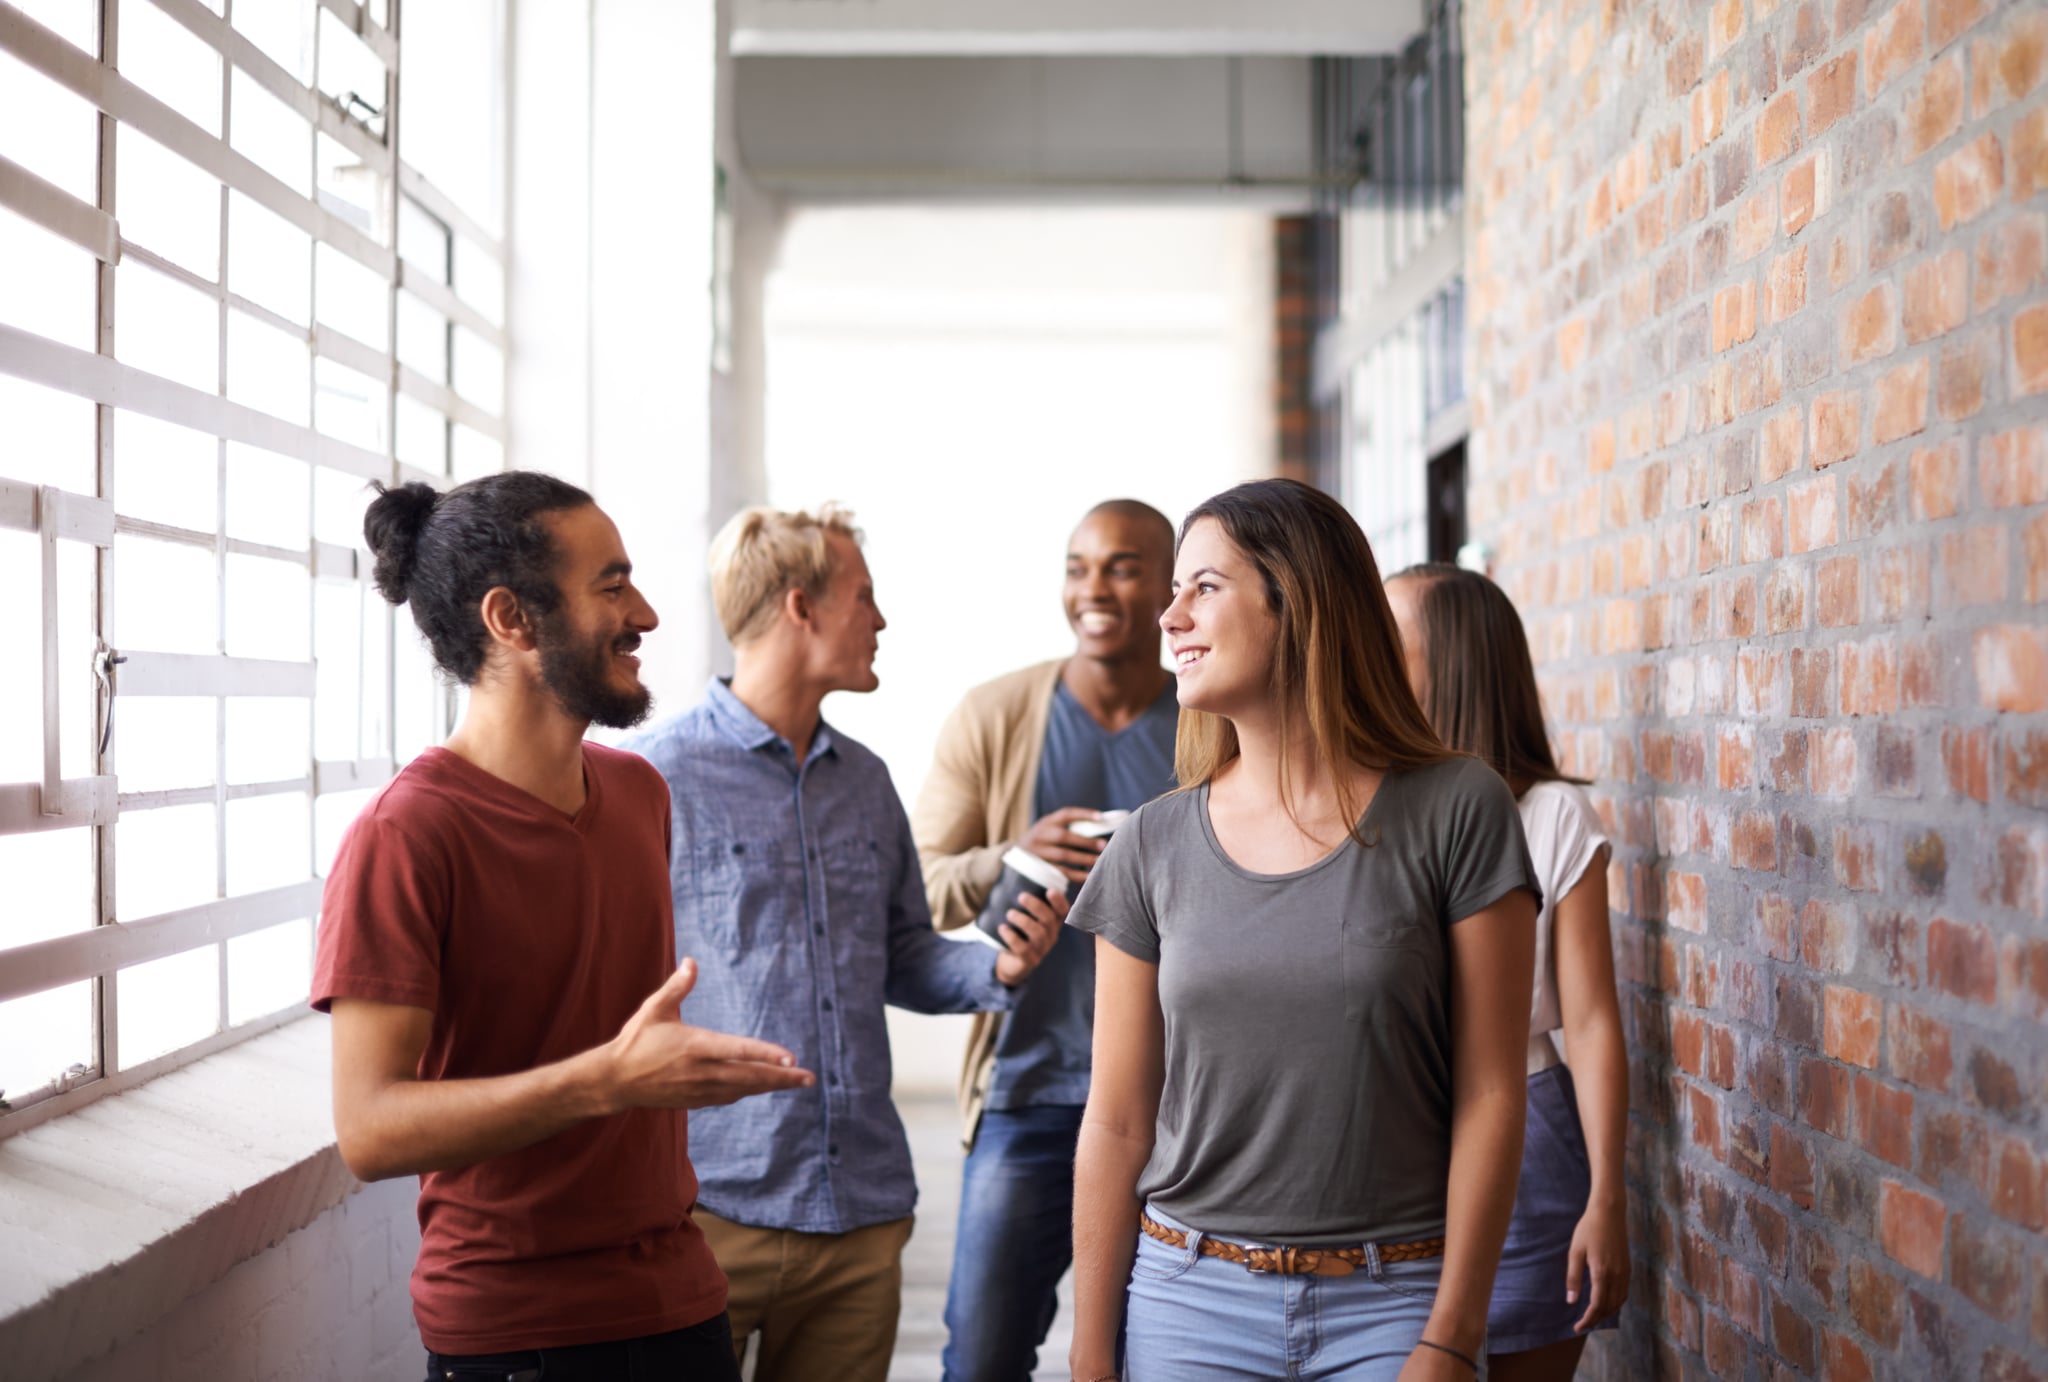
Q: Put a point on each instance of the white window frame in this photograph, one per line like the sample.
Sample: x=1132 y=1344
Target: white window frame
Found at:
x=100 y=953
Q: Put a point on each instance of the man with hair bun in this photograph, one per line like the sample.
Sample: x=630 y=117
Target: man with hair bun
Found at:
x=797 y=887
x=495 y=950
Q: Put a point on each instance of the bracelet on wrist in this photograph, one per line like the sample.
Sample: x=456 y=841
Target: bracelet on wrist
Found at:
x=1466 y=1359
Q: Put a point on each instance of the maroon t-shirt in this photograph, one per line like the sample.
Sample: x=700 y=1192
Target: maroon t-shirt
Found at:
x=530 y=937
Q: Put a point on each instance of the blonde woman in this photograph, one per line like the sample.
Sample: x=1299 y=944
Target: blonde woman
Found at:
x=1298 y=1156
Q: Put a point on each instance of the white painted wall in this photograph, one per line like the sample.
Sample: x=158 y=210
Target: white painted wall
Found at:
x=328 y=1304
x=971 y=381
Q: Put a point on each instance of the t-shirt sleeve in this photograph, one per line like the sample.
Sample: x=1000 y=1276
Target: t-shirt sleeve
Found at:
x=1114 y=903
x=1580 y=837
x=1485 y=856
x=381 y=920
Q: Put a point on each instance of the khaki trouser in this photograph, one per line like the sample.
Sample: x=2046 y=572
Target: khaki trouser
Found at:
x=825 y=1304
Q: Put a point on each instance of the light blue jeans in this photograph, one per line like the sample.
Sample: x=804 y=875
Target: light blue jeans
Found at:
x=1190 y=1318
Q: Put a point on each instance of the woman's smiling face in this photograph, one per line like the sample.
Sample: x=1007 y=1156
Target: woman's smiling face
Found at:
x=1220 y=630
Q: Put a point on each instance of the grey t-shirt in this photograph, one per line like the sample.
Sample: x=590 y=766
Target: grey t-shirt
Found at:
x=1307 y=1099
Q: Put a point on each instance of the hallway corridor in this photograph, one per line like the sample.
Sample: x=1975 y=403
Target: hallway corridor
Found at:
x=933 y=1122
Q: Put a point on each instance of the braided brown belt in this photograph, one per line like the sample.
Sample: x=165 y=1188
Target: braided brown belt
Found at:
x=1294 y=1261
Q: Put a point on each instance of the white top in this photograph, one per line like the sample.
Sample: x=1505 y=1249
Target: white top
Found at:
x=1565 y=836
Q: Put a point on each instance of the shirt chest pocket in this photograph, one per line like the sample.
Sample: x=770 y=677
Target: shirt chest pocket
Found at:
x=1384 y=963
x=853 y=884
x=735 y=892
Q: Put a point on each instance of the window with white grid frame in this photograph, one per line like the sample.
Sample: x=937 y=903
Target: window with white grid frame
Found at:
x=254 y=260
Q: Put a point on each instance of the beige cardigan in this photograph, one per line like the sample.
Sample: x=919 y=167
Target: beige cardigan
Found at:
x=975 y=803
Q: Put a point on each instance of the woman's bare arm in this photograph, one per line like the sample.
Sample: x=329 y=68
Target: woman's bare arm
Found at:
x=1493 y=963
x=1593 y=1043
x=1116 y=1141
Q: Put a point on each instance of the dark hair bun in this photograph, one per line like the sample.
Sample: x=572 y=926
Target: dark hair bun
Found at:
x=392 y=526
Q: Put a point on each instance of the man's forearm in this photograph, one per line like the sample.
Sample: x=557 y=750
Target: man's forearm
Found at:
x=407 y=1127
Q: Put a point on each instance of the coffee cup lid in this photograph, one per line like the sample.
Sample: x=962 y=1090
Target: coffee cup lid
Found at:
x=1036 y=869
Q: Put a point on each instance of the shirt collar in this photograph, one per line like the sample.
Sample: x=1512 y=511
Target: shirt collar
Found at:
x=749 y=730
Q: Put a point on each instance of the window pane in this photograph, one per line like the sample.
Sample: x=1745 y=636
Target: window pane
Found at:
x=269 y=841
x=78 y=693
x=338 y=660
x=269 y=369
x=283 y=29
x=480 y=281
x=49 y=885
x=270 y=497
x=167 y=205
x=454 y=51
x=475 y=454
x=417 y=723
x=270 y=260
x=348 y=406
x=166 y=328
x=21 y=671
x=352 y=74
x=332 y=814
x=50 y=436
x=163 y=597
x=422 y=338
x=268 y=741
x=48 y=130
x=164 y=861
x=270 y=133
x=48 y=287
x=351 y=189
x=74 y=21
x=165 y=473
x=269 y=970
x=170 y=62
x=43 y=1035
x=422 y=436
x=422 y=240
x=169 y=1003
x=162 y=743
x=268 y=613
x=479 y=371
x=338 y=504
x=350 y=298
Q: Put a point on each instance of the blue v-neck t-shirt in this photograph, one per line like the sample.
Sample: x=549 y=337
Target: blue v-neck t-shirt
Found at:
x=1043 y=1054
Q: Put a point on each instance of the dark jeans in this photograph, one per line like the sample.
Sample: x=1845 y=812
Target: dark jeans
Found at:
x=1016 y=1240
x=701 y=1353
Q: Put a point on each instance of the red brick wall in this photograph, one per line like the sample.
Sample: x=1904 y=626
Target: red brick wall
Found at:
x=1760 y=396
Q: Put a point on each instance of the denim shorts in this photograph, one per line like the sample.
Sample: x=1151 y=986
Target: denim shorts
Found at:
x=1190 y=1318
x=1529 y=1309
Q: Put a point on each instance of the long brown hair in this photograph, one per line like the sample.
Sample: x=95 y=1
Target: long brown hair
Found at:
x=1482 y=695
x=1338 y=656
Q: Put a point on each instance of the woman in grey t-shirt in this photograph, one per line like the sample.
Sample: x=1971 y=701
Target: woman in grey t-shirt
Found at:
x=1301 y=1142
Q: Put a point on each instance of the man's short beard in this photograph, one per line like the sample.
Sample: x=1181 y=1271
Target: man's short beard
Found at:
x=577 y=676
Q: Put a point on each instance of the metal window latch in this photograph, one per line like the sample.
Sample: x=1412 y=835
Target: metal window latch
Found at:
x=104 y=661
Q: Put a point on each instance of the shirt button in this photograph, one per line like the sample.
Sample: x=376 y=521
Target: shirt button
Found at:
x=819 y=929
x=832 y=1150
x=831 y=1079
x=828 y=1005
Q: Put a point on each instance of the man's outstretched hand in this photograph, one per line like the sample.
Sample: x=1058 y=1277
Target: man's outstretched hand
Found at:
x=660 y=1061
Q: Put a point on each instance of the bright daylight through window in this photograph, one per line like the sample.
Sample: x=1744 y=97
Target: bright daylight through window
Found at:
x=254 y=259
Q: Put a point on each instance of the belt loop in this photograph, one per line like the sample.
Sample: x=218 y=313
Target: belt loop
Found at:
x=1194 y=1249
x=1372 y=1264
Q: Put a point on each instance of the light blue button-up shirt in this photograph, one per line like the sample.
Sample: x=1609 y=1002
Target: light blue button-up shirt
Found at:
x=798 y=892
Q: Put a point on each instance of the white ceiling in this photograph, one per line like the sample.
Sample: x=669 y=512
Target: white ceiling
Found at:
x=1065 y=28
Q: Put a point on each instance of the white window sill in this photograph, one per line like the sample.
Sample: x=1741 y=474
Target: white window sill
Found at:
x=116 y=1214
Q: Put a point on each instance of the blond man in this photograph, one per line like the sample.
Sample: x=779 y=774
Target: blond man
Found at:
x=798 y=890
